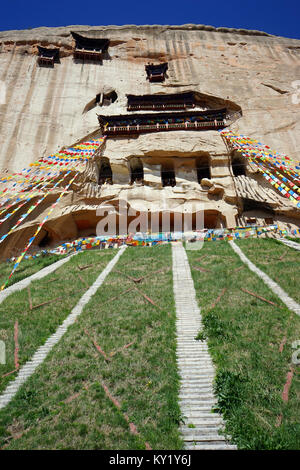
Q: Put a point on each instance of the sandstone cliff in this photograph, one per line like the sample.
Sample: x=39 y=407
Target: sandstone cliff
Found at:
x=46 y=109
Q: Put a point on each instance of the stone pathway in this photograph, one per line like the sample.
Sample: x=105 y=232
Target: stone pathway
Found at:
x=40 y=355
x=290 y=243
x=284 y=297
x=194 y=363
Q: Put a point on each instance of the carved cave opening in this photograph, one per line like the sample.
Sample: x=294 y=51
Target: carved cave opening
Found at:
x=203 y=168
x=105 y=172
x=238 y=165
x=45 y=240
x=168 y=174
x=106 y=99
x=136 y=170
x=252 y=205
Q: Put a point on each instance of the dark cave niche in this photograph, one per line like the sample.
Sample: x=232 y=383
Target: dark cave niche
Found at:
x=252 y=205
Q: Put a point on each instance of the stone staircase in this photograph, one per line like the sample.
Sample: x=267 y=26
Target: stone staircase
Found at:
x=201 y=428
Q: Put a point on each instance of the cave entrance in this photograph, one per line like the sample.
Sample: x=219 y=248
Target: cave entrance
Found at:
x=106 y=99
x=136 y=171
x=203 y=168
x=168 y=174
x=105 y=172
x=238 y=165
x=45 y=240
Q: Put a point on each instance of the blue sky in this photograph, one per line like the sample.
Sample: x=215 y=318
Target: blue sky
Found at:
x=273 y=16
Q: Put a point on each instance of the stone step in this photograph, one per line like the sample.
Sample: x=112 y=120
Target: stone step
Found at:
x=193 y=386
x=198 y=364
x=196 y=370
x=198 y=395
x=197 y=378
x=196 y=386
x=190 y=348
x=203 y=416
x=203 y=434
x=197 y=404
x=205 y=422
x=190 y=377
x=200 y=372
x=198 y=408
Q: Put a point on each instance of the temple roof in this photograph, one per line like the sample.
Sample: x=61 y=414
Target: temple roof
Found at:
x=156 y=69
x=163 y=98
x=83 y=42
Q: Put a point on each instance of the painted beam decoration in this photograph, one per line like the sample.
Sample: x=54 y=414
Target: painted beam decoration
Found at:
x=279 y=170
x=55 y=173
x=213 y=119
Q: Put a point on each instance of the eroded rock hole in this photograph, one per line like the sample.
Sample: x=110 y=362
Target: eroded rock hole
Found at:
x=136 y=171
x=203 y=168
x=105 y=172
x=238 y=165
x=168 y=174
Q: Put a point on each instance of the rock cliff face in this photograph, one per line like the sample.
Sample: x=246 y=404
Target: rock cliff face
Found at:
x=46 y=109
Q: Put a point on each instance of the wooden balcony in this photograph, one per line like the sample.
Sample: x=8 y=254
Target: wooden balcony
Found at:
x=186 y=126
x=48 y=57
x=159 y=107
x=85 y=54
x=45 y=61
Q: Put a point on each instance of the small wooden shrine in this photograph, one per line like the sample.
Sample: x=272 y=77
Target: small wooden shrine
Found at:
x=47 y=57
x=89 y=48
x=156 y=73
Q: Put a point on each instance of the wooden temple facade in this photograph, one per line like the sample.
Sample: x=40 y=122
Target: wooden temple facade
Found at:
x=89 y=48
x=211 y=119
x=47 y=57
x=156 y=73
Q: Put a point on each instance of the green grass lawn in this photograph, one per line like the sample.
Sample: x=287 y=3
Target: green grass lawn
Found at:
x=63 y=405
x=279 y=261
x=26 y=268
x=36 y=325
x=244 y=335
x=294 y=239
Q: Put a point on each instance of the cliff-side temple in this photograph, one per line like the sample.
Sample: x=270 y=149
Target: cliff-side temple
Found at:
x=154 y=116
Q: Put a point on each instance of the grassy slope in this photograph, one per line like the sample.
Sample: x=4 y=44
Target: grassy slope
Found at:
x=64 y=406
x=277 y=260
x=36 y=325
x=26 y=268
x=244 y=335
x=294 y=239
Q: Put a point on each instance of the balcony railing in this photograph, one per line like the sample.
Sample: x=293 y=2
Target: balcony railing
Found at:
x=137 y=129
x=88 y=54
x=45 y=61
x=156 y=106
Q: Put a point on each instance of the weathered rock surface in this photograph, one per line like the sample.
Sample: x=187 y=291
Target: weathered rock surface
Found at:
x=46 y=109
